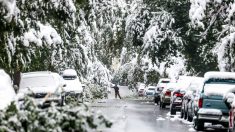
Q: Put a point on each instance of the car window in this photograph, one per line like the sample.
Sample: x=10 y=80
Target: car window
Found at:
x=151 y=88
x=37 y=81
x=220 y=81
x=165 y=81
x=69 y=77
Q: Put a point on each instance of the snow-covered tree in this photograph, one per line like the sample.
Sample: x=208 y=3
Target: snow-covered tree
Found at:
x=215 y=21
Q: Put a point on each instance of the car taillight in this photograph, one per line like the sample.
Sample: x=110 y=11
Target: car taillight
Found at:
x=168 y=93
x=200 y=101
x=179 y=95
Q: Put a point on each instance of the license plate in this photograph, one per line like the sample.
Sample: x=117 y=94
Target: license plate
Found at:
x=178 y=100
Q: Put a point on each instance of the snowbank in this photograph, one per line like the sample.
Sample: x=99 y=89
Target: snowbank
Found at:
x=7 y=92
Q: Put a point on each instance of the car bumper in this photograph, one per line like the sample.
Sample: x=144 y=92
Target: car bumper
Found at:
x=166 y=100
x=176 y=106
x=214 y=119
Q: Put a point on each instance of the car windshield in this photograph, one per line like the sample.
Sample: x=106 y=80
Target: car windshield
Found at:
x=38 y=81
x=69 y=77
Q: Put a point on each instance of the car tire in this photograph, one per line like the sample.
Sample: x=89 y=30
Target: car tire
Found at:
x=62 y=101
x=189 y=118
x=198 y=125
x=185 y=114
x=231 y=129
x=182 y=113
x=173 y=112
x=163 y=105
x=160 y=105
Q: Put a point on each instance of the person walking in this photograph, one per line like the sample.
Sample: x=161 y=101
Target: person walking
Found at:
x=116 y=89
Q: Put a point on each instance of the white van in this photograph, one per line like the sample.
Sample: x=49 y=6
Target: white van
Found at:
x=73 y=85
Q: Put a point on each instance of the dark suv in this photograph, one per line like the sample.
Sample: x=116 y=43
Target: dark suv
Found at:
x=176 y=101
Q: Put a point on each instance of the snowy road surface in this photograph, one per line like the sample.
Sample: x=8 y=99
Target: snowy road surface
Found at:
x=138 y=115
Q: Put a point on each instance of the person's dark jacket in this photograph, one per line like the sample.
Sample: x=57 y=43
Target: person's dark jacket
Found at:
x=116 y=88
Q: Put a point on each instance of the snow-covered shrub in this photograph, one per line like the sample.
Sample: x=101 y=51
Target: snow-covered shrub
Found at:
x=94 y=91
x=68 y=118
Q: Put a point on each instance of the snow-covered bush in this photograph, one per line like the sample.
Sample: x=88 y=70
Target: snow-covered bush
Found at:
x=94 y=91
x=68 y=118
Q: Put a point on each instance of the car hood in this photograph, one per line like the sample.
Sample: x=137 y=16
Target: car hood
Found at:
x=5 y=99
x=73 y=85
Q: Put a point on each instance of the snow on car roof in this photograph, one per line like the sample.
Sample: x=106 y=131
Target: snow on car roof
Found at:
x=38 y=73
x=218 y=89
x=219 y=75
x=69 y=72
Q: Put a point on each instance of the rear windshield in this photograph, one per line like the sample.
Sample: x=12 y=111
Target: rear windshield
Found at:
x=151 y=89
x=220 y=81
x=165 y=81
x=69 y=77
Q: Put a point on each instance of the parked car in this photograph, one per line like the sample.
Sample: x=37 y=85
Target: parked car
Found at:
x=44 y=86
x=7 y=93
x=141 y=89
x=160 y=86
x=211 y=106
x=163 y=82
x=165 y=95
x=176 y=100
x=187 y=109
x=73 y=85
x=150 y=91
x=141 y=92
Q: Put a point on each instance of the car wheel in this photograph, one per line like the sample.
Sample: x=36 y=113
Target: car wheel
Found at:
x=182 y=113
x=62 y=101
x=198 y=125
x=185 y=114
x=163 y=105
x=160 y=105
x=231 y=129
x=189 y=118
x=173 y=112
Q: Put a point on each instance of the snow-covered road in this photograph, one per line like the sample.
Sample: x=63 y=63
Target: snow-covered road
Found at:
x=138 y=115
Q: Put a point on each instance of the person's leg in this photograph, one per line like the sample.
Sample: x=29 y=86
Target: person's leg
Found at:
x=119 y=95
x=115 y=94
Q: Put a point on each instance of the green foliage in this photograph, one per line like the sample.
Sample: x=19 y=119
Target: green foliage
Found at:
x=152 y=77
